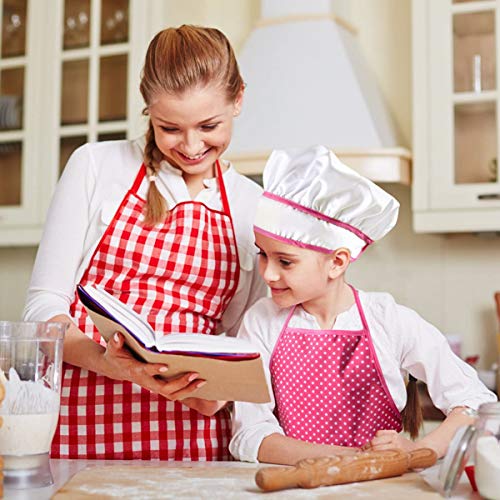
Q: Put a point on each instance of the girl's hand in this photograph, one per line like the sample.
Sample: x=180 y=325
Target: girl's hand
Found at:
x=120 y=364
x=390 y=440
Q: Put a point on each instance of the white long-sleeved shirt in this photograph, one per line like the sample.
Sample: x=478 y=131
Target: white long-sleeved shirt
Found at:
x=404 y=343
x=93 y=184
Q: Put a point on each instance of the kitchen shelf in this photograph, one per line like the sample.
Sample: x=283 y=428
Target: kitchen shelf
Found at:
x=473 y=97
x=455 y=108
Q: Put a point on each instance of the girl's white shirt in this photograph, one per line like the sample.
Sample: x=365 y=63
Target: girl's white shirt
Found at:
x=92 y=186
x=404 y=343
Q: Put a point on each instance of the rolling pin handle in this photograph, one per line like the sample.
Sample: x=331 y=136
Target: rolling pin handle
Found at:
x=278 y=478
x=421 y=458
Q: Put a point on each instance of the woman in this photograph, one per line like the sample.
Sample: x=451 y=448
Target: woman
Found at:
x=151 y=223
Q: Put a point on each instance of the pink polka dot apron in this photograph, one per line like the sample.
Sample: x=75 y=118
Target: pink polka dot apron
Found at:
x=329 y=387
x=181 y=275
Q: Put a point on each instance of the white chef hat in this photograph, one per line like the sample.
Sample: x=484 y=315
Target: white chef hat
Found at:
x=312 y=200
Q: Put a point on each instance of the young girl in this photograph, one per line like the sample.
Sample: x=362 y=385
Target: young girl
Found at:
x=337 y=357
x=159 y=223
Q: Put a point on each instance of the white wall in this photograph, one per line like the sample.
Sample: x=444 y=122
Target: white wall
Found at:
x=450 y=280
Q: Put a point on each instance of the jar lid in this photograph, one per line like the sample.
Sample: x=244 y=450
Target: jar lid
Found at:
x=456 y=458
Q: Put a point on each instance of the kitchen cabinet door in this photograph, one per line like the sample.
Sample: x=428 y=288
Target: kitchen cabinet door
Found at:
x=456 y=186
x=18 y=128
x=69 y=74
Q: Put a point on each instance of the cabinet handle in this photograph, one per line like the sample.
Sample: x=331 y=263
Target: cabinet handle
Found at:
x=489 y=196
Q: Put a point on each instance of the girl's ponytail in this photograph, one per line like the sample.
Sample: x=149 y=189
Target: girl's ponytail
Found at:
x=412 y=413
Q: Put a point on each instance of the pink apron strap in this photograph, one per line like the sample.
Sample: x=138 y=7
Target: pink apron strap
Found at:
x=374 y=356
x=360 y=309
x=283 y=328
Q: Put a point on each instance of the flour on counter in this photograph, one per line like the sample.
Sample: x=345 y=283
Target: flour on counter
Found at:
x=487 y=468
x=229 y=480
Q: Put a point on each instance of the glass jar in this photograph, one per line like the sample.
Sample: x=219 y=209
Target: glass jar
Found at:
x=475 y=449
x=487 y=451
x=30 y=373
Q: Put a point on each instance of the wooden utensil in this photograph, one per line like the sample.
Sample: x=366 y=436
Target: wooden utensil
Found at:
x=327 y=471
x=2 y=395
x=497 y=303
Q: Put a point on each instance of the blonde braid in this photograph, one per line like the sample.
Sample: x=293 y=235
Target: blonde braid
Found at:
x=156 y=206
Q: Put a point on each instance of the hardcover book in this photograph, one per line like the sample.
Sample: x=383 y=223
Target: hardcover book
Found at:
x=232 y=367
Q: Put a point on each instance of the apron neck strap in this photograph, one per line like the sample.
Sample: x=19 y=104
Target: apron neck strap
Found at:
x=360 y=309
x=222 y=189
x=138 y=179
x=218 y=172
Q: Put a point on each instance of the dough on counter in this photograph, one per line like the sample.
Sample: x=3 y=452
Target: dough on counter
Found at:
x=231 y=481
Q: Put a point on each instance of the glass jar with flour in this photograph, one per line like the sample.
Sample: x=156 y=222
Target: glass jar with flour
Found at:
x=30 y=371
x=487 y=451
x=476 y=449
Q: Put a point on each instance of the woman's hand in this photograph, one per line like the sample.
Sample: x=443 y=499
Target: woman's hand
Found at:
x=120 y=364
x=204 y=406
x=390 y=440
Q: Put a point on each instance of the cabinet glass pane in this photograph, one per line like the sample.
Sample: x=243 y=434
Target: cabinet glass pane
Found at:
x=474 y=52
x=14 y=28
x=75 y=90
x=113 y=88
x=76 y=30
x=475 y=143
x=66 y=147
x=114 y=21
x=11 y=98
x=112 y=136
x=10 y=173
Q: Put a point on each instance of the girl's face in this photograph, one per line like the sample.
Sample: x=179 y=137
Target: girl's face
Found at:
x=294 y=275
x=194 y=128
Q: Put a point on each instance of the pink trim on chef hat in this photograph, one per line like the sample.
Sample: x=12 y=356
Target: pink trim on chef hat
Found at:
x=313 y=200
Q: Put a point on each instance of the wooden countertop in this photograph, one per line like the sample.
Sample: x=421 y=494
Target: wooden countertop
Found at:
x=78 y=479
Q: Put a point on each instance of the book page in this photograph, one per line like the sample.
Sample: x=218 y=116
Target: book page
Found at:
x=210 y=344
x=123 y=314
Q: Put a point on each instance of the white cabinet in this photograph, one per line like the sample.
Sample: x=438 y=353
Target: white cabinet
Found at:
x=69 y=74
x=19 y=54
x=456 y=186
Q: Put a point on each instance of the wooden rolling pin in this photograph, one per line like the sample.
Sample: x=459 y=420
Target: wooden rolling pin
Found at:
x=2 y=395
x=497 y=303
x=327 y=471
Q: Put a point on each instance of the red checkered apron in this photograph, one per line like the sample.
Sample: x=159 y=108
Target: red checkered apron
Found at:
x=329 y=386
x=181 y=275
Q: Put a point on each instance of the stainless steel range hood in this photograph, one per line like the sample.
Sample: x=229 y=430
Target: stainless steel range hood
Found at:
x=307 y=84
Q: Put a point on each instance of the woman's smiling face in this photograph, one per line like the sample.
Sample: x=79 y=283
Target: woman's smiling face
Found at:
x=194 y=128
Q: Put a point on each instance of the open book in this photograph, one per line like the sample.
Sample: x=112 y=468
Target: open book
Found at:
x=232 y=367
